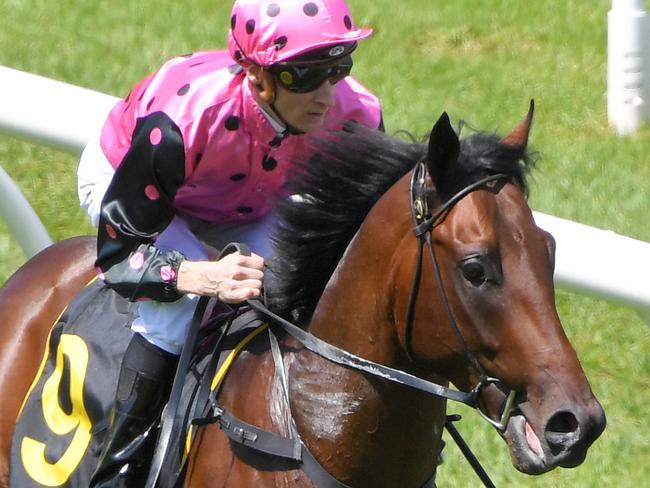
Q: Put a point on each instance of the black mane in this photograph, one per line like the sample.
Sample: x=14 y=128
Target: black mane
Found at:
x=336 y=189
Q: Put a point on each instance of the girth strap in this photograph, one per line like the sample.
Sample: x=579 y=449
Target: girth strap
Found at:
x=169 y=419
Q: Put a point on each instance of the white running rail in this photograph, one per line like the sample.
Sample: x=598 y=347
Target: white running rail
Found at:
x=589 y=260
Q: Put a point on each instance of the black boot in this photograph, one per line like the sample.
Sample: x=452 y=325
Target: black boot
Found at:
x=142 y=390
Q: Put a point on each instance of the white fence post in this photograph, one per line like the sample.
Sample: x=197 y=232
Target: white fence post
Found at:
x=25 y=225
x=628 y=65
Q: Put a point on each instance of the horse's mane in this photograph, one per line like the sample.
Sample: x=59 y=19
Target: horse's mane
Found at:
x=333 y=191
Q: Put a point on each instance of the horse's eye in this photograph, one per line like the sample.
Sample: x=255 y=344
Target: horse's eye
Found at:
x=474 y=272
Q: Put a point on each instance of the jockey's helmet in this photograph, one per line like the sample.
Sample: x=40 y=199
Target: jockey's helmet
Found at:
x=268 y=32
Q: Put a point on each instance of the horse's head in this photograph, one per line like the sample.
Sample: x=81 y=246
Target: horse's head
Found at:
x=483 y=310
x=469 y=298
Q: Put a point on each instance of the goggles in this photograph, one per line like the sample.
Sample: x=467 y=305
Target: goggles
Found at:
x=306 y=78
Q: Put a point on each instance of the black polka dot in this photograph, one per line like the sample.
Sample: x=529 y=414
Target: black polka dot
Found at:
x=280 y=42
x=348 y=22
x=232 y=123
x=233 y=22
x=235 y=69
x=277 y=140
x=196 y=64
x=269 y=163
x=238 y=177
x=197 y=159
x=183 y=90
x=244 y=210
x=310 y=9
x=238 y=55
x=250 y=26
x=273 y=10
x=150 y=103
x=141 y=96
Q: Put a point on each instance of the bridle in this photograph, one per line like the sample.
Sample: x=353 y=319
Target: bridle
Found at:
x=424 y=222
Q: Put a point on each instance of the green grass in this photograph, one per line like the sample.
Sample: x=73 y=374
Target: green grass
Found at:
x=479 y=60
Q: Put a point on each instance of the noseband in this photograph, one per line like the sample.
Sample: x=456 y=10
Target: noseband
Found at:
x=424 y=222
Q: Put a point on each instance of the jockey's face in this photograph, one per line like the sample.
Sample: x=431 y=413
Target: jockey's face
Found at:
x=305 y=111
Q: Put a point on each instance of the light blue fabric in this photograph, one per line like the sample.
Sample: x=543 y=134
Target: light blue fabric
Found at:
x=166 y=324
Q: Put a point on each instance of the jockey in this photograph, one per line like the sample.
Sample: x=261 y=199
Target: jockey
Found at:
x=198 y=153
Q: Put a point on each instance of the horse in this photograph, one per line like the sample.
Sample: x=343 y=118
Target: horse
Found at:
x=424 y=258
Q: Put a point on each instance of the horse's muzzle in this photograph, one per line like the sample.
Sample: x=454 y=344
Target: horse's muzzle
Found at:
x=562 y=439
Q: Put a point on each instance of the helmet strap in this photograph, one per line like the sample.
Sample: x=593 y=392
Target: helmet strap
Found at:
x=290 y=128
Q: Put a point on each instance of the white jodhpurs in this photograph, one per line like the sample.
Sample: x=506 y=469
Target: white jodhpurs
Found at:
x=94 y=174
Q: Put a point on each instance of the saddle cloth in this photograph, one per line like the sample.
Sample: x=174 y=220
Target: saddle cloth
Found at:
x=62 y=424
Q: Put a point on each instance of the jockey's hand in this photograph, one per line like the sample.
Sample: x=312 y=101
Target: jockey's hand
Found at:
x=232 y=279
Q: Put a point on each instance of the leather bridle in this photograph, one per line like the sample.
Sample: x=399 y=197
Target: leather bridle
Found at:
x=424 y=222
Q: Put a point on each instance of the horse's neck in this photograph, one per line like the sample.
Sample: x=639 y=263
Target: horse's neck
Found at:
x=360 y=427
x=355 y=306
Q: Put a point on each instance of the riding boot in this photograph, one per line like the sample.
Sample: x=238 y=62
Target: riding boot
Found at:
x=143 y=389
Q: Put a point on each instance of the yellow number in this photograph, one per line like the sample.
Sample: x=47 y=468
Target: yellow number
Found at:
x=32 y=451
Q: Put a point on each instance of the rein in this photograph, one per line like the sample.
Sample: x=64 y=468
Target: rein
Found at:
x=423 y=227
x=346 y=358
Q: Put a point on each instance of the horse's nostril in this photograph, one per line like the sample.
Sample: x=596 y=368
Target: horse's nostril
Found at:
x=562 y=422
x=561 y=431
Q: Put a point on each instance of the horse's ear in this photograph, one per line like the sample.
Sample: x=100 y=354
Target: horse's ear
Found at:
x=519 y=135
x=444 y=148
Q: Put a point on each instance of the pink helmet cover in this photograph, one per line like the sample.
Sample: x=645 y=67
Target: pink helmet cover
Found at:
x=266 y=32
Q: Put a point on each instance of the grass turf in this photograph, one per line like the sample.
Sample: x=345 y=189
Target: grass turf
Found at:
x=479 y=60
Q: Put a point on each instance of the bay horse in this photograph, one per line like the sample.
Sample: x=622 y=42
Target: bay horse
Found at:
x=422 y=257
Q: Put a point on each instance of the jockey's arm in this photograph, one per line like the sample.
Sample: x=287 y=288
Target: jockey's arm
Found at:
x=138 y=206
